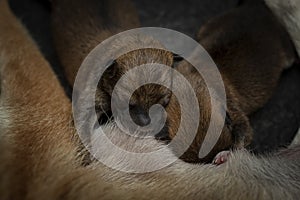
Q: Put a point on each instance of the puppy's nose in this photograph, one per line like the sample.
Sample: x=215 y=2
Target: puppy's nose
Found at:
x=143 y=119
x=140 y=116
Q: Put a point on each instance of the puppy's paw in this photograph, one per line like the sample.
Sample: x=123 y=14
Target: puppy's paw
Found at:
x=221 y=157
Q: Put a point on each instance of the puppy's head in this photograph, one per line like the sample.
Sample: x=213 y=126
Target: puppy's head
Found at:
x=145 y=95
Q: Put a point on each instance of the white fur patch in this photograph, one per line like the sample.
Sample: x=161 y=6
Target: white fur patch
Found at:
x=288 y=12
x=296 y=140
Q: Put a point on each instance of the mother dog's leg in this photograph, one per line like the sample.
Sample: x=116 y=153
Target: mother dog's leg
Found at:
x=40 y=159
x=36 y=113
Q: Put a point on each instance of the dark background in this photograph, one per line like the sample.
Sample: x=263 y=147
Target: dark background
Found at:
x=274 y=126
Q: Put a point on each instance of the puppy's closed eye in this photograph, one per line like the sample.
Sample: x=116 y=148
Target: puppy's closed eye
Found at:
x=164 y=99
x=176 y=59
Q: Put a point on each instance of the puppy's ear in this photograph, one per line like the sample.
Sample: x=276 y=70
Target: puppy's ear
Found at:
x=111 y=69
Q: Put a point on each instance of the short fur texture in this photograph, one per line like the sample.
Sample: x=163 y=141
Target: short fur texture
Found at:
x=74 y=41
x=251 y=49
x=79 y=26
x=288 y=12
x=40 y=160
x=250 y=61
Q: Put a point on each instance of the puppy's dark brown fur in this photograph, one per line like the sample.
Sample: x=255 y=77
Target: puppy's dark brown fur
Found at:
x=251 y=49
x=248 y=45
x=79 y=26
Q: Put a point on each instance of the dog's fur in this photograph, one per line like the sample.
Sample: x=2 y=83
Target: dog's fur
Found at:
x=250 y=61
x=288 y=12
x=76 y=35
x=251 y=49
x=79 y=26
x=39 y=152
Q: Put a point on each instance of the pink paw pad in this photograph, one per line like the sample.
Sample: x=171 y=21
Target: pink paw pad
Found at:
x=221 y=157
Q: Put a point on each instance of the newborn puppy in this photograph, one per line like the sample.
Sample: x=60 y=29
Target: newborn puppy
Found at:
x=145 y=96
x=251 y=49
x=80 y=25
x=248 y=44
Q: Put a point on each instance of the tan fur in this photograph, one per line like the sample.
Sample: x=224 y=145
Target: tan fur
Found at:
x=39 y=158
